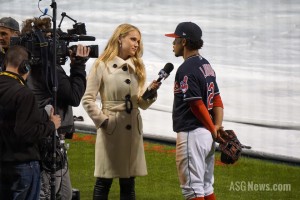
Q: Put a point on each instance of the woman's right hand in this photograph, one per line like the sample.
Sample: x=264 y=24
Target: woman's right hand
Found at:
x=155 y=85
x=55 y=119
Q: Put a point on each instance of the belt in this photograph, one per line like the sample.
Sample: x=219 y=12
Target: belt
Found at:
x=116 y=106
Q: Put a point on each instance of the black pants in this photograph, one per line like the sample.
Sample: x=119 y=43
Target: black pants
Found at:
x=102 y=187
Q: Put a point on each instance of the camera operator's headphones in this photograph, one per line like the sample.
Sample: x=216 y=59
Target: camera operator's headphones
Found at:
x=24 y=67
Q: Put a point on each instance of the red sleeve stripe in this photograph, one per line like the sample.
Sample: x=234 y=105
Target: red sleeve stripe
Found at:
x=218 y=101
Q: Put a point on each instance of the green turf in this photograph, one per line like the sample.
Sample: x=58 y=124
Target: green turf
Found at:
x=248 y=179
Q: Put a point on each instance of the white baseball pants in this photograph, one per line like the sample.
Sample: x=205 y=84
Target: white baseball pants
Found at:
x=195 y=162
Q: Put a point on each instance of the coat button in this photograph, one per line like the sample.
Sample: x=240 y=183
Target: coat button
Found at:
x=127 y=81
x=115 y=66
x=125 y=68
x=128 y=127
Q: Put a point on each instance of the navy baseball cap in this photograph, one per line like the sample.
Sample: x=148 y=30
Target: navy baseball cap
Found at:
x=188 y=30
x=10 y=23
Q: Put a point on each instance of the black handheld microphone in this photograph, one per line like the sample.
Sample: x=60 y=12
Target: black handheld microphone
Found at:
x=163 y=74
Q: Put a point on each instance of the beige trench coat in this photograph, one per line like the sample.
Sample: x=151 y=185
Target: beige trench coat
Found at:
x=119 y=149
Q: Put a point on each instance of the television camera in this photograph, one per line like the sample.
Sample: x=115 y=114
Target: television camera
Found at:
x=39 y=41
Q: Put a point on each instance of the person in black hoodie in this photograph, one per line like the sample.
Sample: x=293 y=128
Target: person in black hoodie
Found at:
x=70 y=90
x=22 y=125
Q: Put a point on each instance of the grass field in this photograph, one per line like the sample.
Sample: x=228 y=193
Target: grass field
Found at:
x=248 y=179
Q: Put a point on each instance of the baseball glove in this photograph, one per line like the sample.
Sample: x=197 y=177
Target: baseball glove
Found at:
x=230 y=147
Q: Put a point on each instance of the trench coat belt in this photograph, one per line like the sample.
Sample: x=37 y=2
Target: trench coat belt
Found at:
x=117 y=105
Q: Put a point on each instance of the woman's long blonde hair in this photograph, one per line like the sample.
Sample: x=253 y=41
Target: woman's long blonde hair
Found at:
x=112 y=49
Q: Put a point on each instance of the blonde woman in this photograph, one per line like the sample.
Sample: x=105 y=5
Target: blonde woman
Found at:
x=118 y=75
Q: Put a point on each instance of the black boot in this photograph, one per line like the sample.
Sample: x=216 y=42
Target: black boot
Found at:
x=102 y=188
x=127 y=191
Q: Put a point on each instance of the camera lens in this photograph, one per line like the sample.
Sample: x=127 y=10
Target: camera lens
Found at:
x=93 y=52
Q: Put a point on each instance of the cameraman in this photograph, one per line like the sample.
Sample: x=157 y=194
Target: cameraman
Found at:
x=22 y=125
x=70 y=91
x=8 y=27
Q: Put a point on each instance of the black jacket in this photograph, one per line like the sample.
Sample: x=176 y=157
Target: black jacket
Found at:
x=69 y=91
x=22 y=124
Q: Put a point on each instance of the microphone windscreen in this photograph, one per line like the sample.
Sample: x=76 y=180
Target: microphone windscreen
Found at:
x=168 y=68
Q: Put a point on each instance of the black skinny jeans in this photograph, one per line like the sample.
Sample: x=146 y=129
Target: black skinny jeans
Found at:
x=102 y=187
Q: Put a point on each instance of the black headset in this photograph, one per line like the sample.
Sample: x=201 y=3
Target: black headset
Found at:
x=24 y=67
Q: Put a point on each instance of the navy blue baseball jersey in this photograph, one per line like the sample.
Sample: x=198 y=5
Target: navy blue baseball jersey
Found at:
x=195 y=79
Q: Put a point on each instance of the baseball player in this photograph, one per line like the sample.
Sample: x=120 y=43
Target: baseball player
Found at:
x=197 y=114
